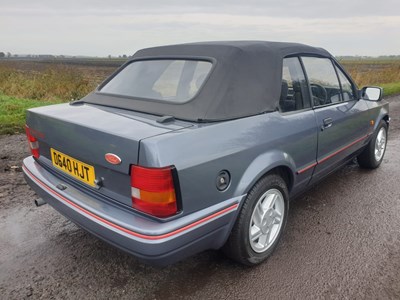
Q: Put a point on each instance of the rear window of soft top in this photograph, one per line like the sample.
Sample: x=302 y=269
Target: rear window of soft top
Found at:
x=169 y=80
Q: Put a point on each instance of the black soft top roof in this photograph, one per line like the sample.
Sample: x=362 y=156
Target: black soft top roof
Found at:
x=245 y=79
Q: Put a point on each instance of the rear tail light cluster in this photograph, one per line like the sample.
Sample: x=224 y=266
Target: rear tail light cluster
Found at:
x=33 y=142
x=153 y=191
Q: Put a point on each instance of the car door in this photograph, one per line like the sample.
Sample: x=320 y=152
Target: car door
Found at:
x=297 y=122
x=341 y=118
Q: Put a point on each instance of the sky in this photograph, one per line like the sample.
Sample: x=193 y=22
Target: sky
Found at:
x=117 y=27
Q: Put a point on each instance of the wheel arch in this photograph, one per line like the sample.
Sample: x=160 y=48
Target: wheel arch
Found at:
x=279 y=163
x=286 y=173
x=386 y=118
x=382 y=115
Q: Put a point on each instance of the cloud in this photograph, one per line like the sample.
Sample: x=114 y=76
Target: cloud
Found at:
x=91 y=27
x=300 y=8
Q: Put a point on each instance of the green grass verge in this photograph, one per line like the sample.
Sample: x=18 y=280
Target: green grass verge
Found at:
x=12 y=112
x=390 y=89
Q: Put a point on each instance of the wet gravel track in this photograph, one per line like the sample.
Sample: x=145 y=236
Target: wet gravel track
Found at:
x=342 y=241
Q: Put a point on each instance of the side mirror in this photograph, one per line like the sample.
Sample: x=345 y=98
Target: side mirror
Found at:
x=371 y=93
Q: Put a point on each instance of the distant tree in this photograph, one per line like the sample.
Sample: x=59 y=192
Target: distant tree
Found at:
x=8 y=54
x=124 y=56
x=2 y=55
x=109 y=56
x=15 y=55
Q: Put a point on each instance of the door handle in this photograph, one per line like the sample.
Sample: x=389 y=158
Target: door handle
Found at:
x=326 y=123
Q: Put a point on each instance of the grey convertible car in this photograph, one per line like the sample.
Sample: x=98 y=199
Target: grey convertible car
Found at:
x=201 y=146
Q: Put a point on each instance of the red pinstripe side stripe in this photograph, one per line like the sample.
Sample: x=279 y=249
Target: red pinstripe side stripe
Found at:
x=128 y=231
x=307 y=168
x=332 y=154
x=342 y=149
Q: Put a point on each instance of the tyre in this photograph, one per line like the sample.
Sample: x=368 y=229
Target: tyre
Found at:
x=260 y=223
x=372 y=155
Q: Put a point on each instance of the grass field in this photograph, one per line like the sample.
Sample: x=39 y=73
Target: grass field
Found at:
x=383 y=73
x=51 y=80
x=12 y=112
x=29 y=83
x=373 y=72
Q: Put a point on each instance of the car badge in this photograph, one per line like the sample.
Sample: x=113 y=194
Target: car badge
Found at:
x=112 y=158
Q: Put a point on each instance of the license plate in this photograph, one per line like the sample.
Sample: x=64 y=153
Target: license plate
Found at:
x=77 y=169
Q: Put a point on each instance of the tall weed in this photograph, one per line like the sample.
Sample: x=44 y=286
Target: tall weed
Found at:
x=53 y=83
x=373 y=72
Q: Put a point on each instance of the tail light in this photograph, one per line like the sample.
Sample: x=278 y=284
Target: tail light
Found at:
x=153 y=191
x=33 y=143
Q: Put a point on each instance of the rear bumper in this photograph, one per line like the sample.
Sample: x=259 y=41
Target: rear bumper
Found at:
x=152 y=241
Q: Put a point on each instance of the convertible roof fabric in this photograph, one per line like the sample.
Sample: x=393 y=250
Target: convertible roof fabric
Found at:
x=245 y=80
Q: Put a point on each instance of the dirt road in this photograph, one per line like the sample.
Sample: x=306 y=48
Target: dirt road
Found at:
x=342 y=241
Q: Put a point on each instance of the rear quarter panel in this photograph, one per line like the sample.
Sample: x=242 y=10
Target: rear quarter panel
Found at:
x=247 y=148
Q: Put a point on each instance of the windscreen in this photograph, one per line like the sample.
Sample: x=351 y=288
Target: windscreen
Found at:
x=166 y=80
